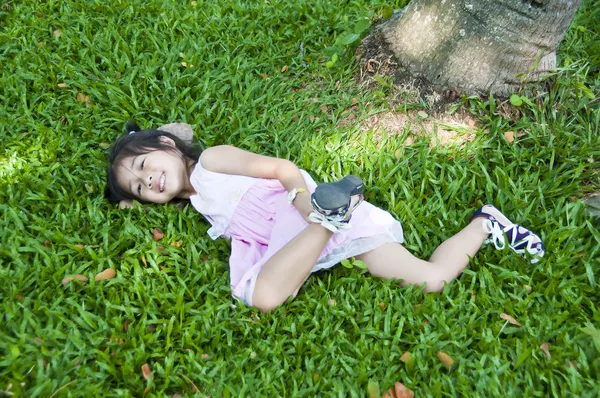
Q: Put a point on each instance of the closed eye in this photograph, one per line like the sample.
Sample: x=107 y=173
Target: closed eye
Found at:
x=143 y=161
x=139 y=189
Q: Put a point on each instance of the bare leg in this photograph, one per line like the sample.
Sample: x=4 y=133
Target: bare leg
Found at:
x=285 y=272
x=393 y=261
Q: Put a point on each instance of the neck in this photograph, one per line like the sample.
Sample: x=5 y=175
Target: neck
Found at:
x=188 y=190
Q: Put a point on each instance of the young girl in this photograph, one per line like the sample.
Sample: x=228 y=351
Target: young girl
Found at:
x=282 y=225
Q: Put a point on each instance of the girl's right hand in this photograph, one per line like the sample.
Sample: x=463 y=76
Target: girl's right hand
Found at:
x=126 y=204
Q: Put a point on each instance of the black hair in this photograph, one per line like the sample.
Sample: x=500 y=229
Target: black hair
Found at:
x=137 y=142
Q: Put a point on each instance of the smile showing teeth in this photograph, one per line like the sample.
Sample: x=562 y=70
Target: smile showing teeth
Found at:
x=161 y=182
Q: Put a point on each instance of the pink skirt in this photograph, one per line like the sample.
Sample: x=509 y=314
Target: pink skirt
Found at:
x=264 y=222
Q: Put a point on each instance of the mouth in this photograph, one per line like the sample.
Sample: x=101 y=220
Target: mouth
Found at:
x=161 y=182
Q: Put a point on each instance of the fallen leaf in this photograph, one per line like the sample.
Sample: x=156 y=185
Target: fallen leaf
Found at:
x=108 y=273
x=47 y=243
x=510 y=135
x=284 y=69
x=312 y=118
x=510 y=319
x=151 y=327
x=78 y=277
x=79 y=246
x=354 y=101
x=160 y=249
x=62 y=85
x=323 y=108
x=76 y=364
x=176 y=244
x=83 y=98
x=126 y=325
x=331 y=303
x=572 y=364
x=56 y=33
x=405 y=357
x=146 y=390
x=104 y=145
x=184 y=64
x=146 y=371
x=402 y=391
x=205 y=356
x=545 y=347
x=39 y=340
x=445 y=358
x=144 y=261
x=382 y=305
x=158 y=235
x=263 y=75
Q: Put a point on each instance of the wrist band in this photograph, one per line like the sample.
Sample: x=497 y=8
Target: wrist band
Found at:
x=293 y=193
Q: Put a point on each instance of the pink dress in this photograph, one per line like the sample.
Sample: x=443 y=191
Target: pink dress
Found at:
x=255 y=214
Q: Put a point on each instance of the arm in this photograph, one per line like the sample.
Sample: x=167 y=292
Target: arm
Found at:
x=231 y=160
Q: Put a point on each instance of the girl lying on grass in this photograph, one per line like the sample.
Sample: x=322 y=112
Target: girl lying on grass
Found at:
x=282 y=225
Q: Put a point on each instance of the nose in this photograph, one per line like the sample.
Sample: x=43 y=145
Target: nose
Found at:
x=149 y=182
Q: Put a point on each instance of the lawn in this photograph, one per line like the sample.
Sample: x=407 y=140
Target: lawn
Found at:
x=254 y=74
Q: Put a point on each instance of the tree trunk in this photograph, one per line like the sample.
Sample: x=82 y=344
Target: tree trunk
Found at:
x=472 y=46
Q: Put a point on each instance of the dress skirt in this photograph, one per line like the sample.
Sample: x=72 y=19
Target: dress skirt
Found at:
x=264 y=222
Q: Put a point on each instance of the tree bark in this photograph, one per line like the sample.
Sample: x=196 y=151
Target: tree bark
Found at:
x=472 y=46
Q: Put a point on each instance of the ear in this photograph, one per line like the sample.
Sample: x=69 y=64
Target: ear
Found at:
x=183 y=131
x=167 y=141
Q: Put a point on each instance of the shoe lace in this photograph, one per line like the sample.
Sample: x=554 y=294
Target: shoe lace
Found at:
x=333 y=226
x=496 y=233
x=497 y=237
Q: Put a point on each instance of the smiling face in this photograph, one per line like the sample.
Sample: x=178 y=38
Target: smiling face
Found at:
x=158 y=176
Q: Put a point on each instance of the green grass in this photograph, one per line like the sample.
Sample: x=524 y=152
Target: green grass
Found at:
x=125 y=60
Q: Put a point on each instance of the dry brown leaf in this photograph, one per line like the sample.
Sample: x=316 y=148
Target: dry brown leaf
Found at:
x=284 y=69
x=323 y=108
x=510 y=319
x=510 y=135
x=126 y=325
x=312 y=118
x=83 y=98
x=445 y=358
x=39 y=340
x=79 y=246
x=56 y=33
x=62 y=85
x=158 y=235
x=205 y=356
x=382 y=305
x=146 y=390
x=47 y=243
x=405 y=357
x=263 y=75
x=108 y=273
x=144 y=261
x=402 y=391
x=546 y=348
x=146 y=371
x=79 y=277
x=176 y=244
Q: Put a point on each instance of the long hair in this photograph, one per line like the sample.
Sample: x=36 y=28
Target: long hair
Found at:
x=137 y=142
